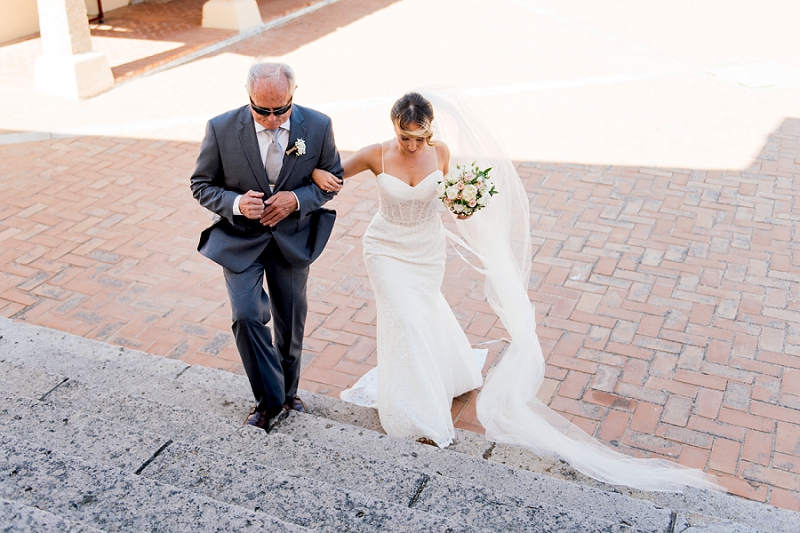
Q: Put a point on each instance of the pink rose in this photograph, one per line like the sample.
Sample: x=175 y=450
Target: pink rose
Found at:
x=460 y=185
x=473 y=203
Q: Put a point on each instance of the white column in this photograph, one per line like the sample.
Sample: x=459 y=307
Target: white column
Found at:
x=68 y=67
x=237 y=15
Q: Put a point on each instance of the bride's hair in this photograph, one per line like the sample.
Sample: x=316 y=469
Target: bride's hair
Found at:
x=413 y=109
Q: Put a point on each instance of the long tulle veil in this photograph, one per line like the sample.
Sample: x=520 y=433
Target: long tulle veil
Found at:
x=499 y=236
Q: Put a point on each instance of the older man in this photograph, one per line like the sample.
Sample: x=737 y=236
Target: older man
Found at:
x=254 y=172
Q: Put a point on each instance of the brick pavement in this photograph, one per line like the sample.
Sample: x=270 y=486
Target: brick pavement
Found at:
x=668 y=300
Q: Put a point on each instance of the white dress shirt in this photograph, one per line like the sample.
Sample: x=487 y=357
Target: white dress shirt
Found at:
x=264 y=140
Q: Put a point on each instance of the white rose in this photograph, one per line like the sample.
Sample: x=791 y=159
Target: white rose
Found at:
x=458 y=208
x=469 y=193
x=440 y=189
x=483 y=200
x=452 y=192
x=488 y=184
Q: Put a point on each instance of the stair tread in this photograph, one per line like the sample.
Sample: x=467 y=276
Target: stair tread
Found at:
x=230 y=438
x=101 y=496
x=205 y=407
x=234 y=480
x=16 y=517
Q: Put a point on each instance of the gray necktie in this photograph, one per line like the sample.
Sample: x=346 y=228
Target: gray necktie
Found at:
x=274 y=159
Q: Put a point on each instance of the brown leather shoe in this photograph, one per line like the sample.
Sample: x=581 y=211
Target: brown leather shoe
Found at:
x=257 y=419
x=295 y=405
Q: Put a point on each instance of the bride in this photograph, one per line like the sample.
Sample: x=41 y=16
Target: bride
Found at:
x=424 y=358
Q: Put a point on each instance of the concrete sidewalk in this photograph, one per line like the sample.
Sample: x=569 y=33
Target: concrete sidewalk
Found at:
x=664 y=213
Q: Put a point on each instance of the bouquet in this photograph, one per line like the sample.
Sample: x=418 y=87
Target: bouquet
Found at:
x=466 y=190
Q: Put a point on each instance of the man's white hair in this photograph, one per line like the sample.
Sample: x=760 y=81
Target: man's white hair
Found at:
x=275 y=73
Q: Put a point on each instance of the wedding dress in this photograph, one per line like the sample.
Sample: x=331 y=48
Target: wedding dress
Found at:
x=424 y=357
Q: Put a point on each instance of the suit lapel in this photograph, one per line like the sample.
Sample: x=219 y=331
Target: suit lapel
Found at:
x=297 y=131
x=247 y=136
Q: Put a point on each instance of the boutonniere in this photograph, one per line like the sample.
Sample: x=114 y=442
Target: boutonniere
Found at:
x=299 y=148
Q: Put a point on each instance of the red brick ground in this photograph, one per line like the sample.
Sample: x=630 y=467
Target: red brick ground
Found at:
x=668 y=300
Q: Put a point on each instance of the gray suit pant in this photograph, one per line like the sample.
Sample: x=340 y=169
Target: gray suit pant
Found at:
x=273 y=370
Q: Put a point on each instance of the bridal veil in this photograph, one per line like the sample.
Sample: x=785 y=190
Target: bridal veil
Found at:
x=499 y=236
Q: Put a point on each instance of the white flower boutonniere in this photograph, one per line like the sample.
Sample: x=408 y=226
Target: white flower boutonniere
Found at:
x=299 y=148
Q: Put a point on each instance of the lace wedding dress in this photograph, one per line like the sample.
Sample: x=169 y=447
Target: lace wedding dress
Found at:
x=424 y=358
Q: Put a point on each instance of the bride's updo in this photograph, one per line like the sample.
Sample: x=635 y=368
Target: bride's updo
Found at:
x=413 y=110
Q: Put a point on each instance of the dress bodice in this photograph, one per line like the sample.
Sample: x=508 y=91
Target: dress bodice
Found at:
x=401 y=203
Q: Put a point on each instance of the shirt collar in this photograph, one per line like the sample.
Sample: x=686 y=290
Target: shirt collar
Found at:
x=286 y=126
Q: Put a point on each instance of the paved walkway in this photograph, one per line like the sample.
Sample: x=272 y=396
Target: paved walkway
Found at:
x=668 y=296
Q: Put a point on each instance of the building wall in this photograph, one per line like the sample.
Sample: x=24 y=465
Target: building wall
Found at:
x=19 y=18
x=108 y=5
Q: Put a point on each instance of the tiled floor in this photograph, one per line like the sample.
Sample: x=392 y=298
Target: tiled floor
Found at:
x=668 y=300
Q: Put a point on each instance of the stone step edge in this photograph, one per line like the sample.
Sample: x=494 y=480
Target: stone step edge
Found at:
x=102 y=397
x=16 y=516
x=38 y=463
x=161 y=448
x=703 y=502
x=470 y=444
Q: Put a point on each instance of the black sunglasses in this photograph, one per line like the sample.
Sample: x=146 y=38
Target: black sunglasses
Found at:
x=264 y=112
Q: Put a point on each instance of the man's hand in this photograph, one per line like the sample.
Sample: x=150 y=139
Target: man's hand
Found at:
x=251 y=205
x=277 y=207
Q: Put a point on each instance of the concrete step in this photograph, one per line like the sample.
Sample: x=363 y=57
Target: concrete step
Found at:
x=686 y=522
x=691 y=502
x=75 y=433
x=542 y=502
x=292 y=498
x=313 y=504
x=109 y=498
x=699 y=507
x=468 y=487
x=27 y=383
x=386 y=478
x=315 y=459
x=19 y=518
x=204 y=407
x=548 y=503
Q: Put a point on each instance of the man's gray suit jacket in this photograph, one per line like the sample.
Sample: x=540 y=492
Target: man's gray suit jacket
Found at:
x=230 y=164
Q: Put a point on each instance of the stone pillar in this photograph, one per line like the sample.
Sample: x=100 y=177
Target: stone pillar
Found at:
x=68 y=67
x=237 y=15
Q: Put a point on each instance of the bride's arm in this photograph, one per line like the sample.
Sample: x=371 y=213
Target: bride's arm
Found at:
x=360 y=161
x=443 y=155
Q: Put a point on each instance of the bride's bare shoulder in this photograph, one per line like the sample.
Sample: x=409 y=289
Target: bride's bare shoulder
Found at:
x=367 y=158
x=443 y=156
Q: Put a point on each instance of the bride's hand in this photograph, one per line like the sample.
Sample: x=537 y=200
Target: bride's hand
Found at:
x=463 y=217
x=325 y=180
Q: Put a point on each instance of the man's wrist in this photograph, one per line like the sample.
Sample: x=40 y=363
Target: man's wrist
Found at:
x=296 y=199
